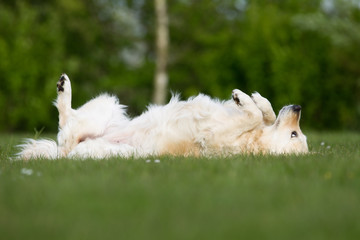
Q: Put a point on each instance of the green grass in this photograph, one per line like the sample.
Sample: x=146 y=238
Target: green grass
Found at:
x=316 y=196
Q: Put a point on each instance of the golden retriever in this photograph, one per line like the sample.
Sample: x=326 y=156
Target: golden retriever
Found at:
x=198 y=126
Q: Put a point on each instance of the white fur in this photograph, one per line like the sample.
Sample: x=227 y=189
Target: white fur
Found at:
x=198 y=126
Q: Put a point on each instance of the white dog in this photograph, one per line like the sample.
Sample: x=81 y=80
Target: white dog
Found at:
x=198 y=126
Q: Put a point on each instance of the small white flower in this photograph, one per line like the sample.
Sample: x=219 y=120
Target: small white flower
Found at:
x=26 y=171
x=156 y=161
x=328 y=147
x=148 y=161
x=322 y=143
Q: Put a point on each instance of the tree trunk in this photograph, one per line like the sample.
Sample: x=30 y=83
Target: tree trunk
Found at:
x=162 y=44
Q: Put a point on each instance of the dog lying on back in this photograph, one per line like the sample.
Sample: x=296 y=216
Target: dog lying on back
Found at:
x=198 y=126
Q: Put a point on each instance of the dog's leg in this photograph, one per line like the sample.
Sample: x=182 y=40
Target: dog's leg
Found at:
x=66 y=138
x=63 y=101
x=252 y=116
x=265 y=107
x=241 y=99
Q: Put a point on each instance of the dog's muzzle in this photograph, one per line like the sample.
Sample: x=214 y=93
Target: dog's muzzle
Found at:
x=296 y=108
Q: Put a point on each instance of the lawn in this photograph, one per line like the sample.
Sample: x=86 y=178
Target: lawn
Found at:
x=314 y=196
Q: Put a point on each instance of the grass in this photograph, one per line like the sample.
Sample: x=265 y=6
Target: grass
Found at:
x=315 y=196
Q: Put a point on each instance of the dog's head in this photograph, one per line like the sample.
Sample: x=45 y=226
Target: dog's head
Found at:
x=285 y=135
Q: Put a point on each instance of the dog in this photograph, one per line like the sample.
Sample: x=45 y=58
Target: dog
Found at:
x=199 y=126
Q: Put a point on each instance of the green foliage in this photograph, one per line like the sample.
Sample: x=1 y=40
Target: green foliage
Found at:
x=276 y=48
x=29 y=53
x=315 y=196
x=302 y=52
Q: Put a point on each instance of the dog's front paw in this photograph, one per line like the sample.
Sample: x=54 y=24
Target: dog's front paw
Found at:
x=260 y=101
x=61 y=83
x=240 y=98
x=265 y=107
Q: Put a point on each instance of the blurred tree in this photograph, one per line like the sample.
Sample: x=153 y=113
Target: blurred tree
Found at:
x=89 y=40
x=162 y=42
x=30 y=46
x=303 y=51
x=265 y=46
x=337 y=23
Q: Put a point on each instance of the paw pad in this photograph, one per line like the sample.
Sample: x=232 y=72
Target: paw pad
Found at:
x=236 y=98
x=61 y=82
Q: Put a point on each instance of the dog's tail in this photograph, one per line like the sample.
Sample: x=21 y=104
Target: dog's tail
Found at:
x=42 y=148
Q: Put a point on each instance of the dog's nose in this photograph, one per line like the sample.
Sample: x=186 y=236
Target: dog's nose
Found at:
x=296 y=108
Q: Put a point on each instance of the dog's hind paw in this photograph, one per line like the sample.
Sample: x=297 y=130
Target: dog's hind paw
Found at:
x=61 y=83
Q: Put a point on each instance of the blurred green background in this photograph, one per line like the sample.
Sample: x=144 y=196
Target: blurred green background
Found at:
x=305 y=52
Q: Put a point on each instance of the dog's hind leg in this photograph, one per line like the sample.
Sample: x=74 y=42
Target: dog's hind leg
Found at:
x=66 y=138
x=63 y=101
x=265 y=107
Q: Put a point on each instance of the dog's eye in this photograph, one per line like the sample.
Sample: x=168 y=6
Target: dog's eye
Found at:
x=294 y=134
